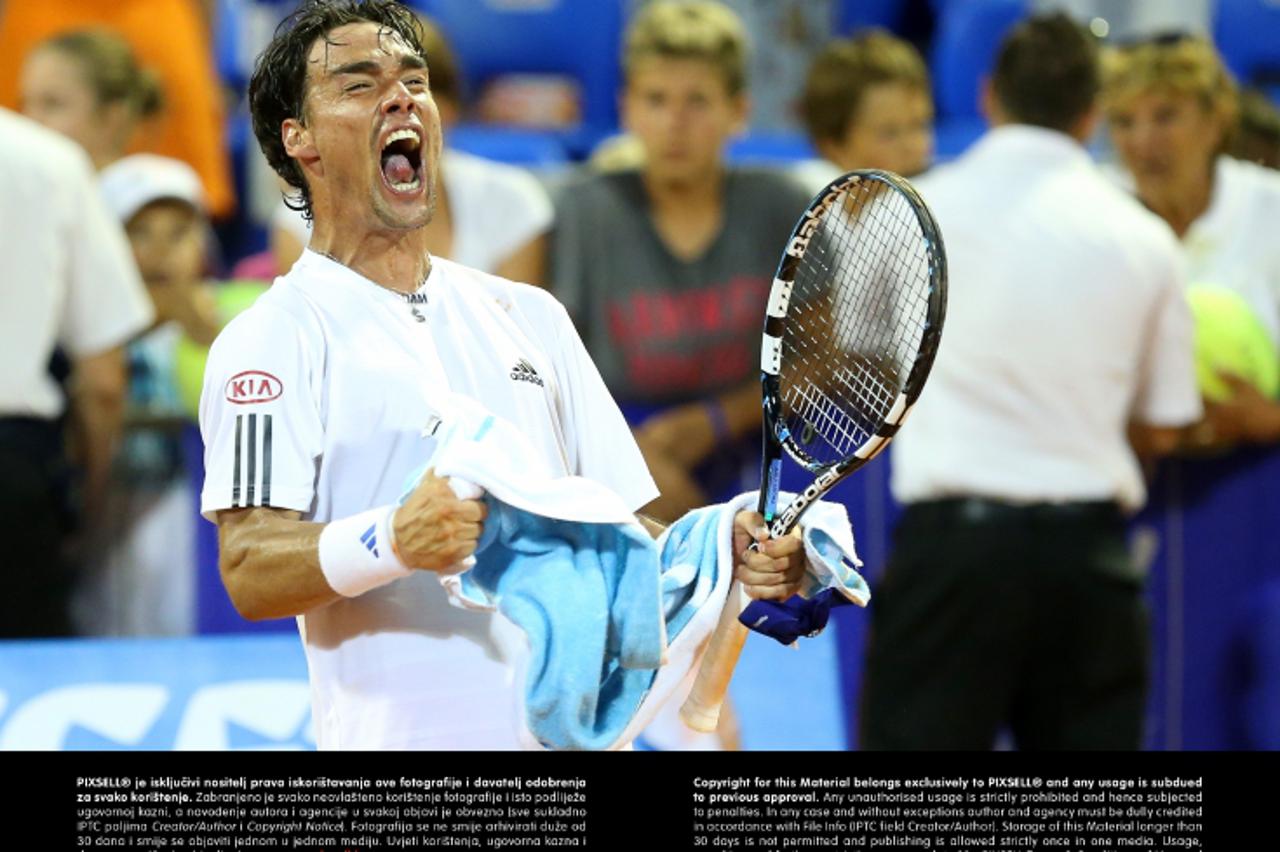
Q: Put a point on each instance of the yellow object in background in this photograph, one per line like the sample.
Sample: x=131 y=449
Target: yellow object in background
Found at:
x=1231 y=339
x=189 y=357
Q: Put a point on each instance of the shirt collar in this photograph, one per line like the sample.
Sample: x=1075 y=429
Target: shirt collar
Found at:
x=324 y=268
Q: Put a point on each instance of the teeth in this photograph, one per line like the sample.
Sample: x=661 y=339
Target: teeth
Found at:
x=408 y=186
x=405 y=133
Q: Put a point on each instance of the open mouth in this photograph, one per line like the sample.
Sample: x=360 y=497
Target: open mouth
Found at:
x=402 y=161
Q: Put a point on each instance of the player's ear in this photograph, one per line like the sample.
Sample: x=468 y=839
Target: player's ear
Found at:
x=298 y=142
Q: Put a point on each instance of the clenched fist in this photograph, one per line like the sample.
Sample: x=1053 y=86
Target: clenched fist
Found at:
x=774 y=571
x=434 y=530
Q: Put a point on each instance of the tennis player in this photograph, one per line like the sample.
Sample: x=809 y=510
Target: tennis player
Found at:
x=315 y=401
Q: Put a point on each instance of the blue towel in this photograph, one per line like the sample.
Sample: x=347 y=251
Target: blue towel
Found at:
x=614 y=620
x=599 y=605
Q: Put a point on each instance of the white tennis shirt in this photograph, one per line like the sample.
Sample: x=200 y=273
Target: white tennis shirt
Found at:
x=315 y=399
x=1066 y=319
x=69 y=278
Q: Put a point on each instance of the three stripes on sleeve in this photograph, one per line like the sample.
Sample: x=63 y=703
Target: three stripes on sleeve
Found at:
x=251 y=480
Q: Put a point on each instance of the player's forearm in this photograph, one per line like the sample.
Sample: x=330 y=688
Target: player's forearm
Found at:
x=275 y=565
x=678 y=491
x=270 y=563
x=652 y=526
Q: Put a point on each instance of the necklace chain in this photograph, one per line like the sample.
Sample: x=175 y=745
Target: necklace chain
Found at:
x=412 y=300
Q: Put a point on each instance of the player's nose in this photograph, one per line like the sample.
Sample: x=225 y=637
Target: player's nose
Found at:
x=399 y=99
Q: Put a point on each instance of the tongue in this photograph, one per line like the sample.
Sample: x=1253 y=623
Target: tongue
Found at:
x=397 y=169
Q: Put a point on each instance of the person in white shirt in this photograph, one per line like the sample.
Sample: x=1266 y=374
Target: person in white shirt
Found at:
x=69 y=281
x=316 y=399
x=1009 y=599
x=1171 y=108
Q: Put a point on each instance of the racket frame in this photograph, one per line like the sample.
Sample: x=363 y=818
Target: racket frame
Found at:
x=701 y=710
x=777 y=436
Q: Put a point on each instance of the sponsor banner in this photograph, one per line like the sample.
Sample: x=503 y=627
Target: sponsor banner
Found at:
x=155 y=694
x=250 y=692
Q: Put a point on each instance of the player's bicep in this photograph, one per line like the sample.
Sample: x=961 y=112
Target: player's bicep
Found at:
x=232 y=519
x=237 y=529
x=269 y=562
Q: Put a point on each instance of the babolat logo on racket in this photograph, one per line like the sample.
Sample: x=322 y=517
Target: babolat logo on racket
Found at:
x=798 y=505
x=523 y=372
x=800 y=242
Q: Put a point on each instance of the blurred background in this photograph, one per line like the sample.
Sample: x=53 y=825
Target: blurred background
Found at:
x=155 y=657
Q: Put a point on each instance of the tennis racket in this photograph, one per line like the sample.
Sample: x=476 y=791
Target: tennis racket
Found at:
x=852 y=325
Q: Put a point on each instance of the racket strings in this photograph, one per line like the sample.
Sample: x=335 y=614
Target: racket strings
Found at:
x=859 y=309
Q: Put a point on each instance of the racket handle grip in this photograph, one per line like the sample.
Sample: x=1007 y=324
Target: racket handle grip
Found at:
x=701 y=710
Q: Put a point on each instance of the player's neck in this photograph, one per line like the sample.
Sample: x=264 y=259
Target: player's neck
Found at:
x=397 y=260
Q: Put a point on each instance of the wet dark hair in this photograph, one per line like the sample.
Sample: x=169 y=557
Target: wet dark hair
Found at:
x=278 y=87
x=1047 y=72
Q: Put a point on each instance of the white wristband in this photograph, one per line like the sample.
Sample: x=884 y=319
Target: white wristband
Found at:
x=358 y=554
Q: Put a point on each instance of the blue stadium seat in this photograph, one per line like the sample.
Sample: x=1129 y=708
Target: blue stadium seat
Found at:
x=852 y=15
x=579 y=38
x=227 y=35
x=964 y=50
x=770 y=148
x=1248 y=34
x=953 y=135
x=532 y=149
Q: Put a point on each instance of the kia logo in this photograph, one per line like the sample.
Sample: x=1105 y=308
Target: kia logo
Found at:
x=253 y=386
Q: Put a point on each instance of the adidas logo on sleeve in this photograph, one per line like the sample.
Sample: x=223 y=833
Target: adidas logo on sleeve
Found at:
x=523 y=372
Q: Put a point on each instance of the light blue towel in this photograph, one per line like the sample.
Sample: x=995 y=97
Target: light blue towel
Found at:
x=600 y=602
